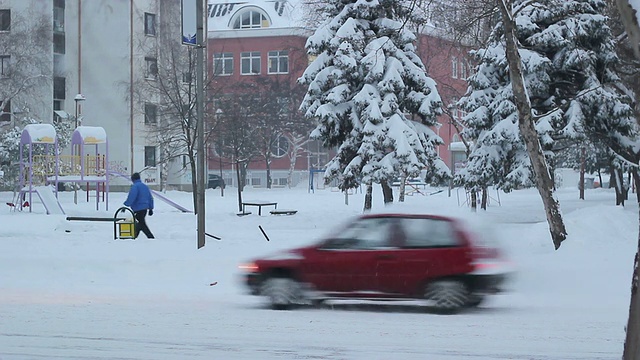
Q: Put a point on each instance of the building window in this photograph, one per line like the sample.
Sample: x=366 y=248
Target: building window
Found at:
x=454 y=67
x=5 y=65
x=280 y=147
x=223 y=64
x=151 y=70
x=251 y=19
x=250 y=63
x=58 y=43
x=464 y=69
x=186 y=77
x=278 y=62
x=5 y=20
x=59 y=88
x=6 y=112
x=149 y=156
x=58 y=16
x=150 y=114
x=150 y=24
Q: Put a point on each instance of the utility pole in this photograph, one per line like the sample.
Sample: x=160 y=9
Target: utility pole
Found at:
x=200 y=181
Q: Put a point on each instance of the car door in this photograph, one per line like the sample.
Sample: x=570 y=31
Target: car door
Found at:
x=423 y=255
x=346 y=262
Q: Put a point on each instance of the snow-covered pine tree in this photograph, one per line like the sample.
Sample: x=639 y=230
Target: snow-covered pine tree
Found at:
x=568 y=56
x=365 y=80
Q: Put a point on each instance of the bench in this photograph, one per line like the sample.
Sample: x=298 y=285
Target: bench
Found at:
x=259 y=204
x=283 y=212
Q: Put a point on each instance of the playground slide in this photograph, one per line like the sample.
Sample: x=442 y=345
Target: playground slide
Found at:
x=48 y=198
x=168 y=201
x=156 y=194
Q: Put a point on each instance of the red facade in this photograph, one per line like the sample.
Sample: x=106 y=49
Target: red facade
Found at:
x=445 y=63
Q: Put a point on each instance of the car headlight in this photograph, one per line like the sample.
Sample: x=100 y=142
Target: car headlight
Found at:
x=248 y=267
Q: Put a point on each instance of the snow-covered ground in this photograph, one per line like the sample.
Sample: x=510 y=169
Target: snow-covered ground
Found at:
x=83 y=295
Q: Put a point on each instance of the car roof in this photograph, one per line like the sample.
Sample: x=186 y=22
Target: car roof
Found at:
x=407 y=216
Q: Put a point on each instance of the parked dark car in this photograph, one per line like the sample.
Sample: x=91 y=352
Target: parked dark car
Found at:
x=215 y=181
x=385 y=257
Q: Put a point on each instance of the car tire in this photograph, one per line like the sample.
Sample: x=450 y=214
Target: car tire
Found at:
x=447 y=296
x=282 y=292
x=475 y=300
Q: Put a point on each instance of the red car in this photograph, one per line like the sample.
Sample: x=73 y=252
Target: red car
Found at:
x=385 y=257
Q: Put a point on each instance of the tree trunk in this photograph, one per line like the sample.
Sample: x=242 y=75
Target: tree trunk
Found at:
x=619 y=186
x=583 y=153
x=194 y=185
x=267 y=160
x=403 y=186
x=240 y=188
x=367 y=198
x=528 y=131
x=485 y=198
x=474 y=199
x=632 y=340
x=387 y=192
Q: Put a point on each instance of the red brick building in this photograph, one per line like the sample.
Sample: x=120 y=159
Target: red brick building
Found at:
x=261 y=38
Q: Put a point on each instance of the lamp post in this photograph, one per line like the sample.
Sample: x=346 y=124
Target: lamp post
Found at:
x=78 y=99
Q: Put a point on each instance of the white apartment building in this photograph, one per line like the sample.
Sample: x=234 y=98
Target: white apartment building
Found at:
x=101 y=53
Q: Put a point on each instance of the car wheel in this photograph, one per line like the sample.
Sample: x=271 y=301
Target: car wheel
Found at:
x=475 y=300
x=282 y=293
x=447 y=295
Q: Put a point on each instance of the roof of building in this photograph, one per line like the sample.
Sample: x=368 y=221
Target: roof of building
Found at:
x=279 y=14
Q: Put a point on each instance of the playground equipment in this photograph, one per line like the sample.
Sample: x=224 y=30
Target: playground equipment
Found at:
x=124 y=228
x=44 y=166
x=41 y=166
x=87 y=164
x=42 y=139
x=157 y=194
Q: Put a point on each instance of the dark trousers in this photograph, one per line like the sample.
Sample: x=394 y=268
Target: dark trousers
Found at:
x=142 y=224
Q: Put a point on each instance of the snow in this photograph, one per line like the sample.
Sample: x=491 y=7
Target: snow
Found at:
x=89 y=135
x=83 y=295
x=38 y=134
x=635 y=4
x=281 y=14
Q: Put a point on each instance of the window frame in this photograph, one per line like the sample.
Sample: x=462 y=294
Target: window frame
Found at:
x=59 y=88
x=150 y=114
x=148 y=159
x=150 y=28
x=59 y=46
x=220 y=62
x=281 y=144
x=251 y=57
x=5 y=114
x=454 y=67
x=5 y=65
x=239 y=23
x=151 y=68
x=5 y=14
x=277 y=56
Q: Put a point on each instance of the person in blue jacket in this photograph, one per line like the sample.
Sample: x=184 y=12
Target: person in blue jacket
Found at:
x=140 y=201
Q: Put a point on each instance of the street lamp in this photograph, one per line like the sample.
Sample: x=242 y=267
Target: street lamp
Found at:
x=78 y=99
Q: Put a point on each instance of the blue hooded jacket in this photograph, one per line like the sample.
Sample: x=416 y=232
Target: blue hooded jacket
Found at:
x=139 y=197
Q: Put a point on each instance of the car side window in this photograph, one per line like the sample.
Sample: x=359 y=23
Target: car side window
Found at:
x=426 y=233
x=368 y=233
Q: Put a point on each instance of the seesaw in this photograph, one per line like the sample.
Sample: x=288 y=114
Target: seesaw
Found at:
x=123 y=228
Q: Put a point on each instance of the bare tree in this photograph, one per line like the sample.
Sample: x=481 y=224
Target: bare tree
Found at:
x=236 y=131
x=543 y=180
x=629 y=43
x=25 y=72
x=168 y=93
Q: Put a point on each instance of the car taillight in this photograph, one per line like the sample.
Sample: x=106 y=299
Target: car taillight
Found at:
x=250 y=267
